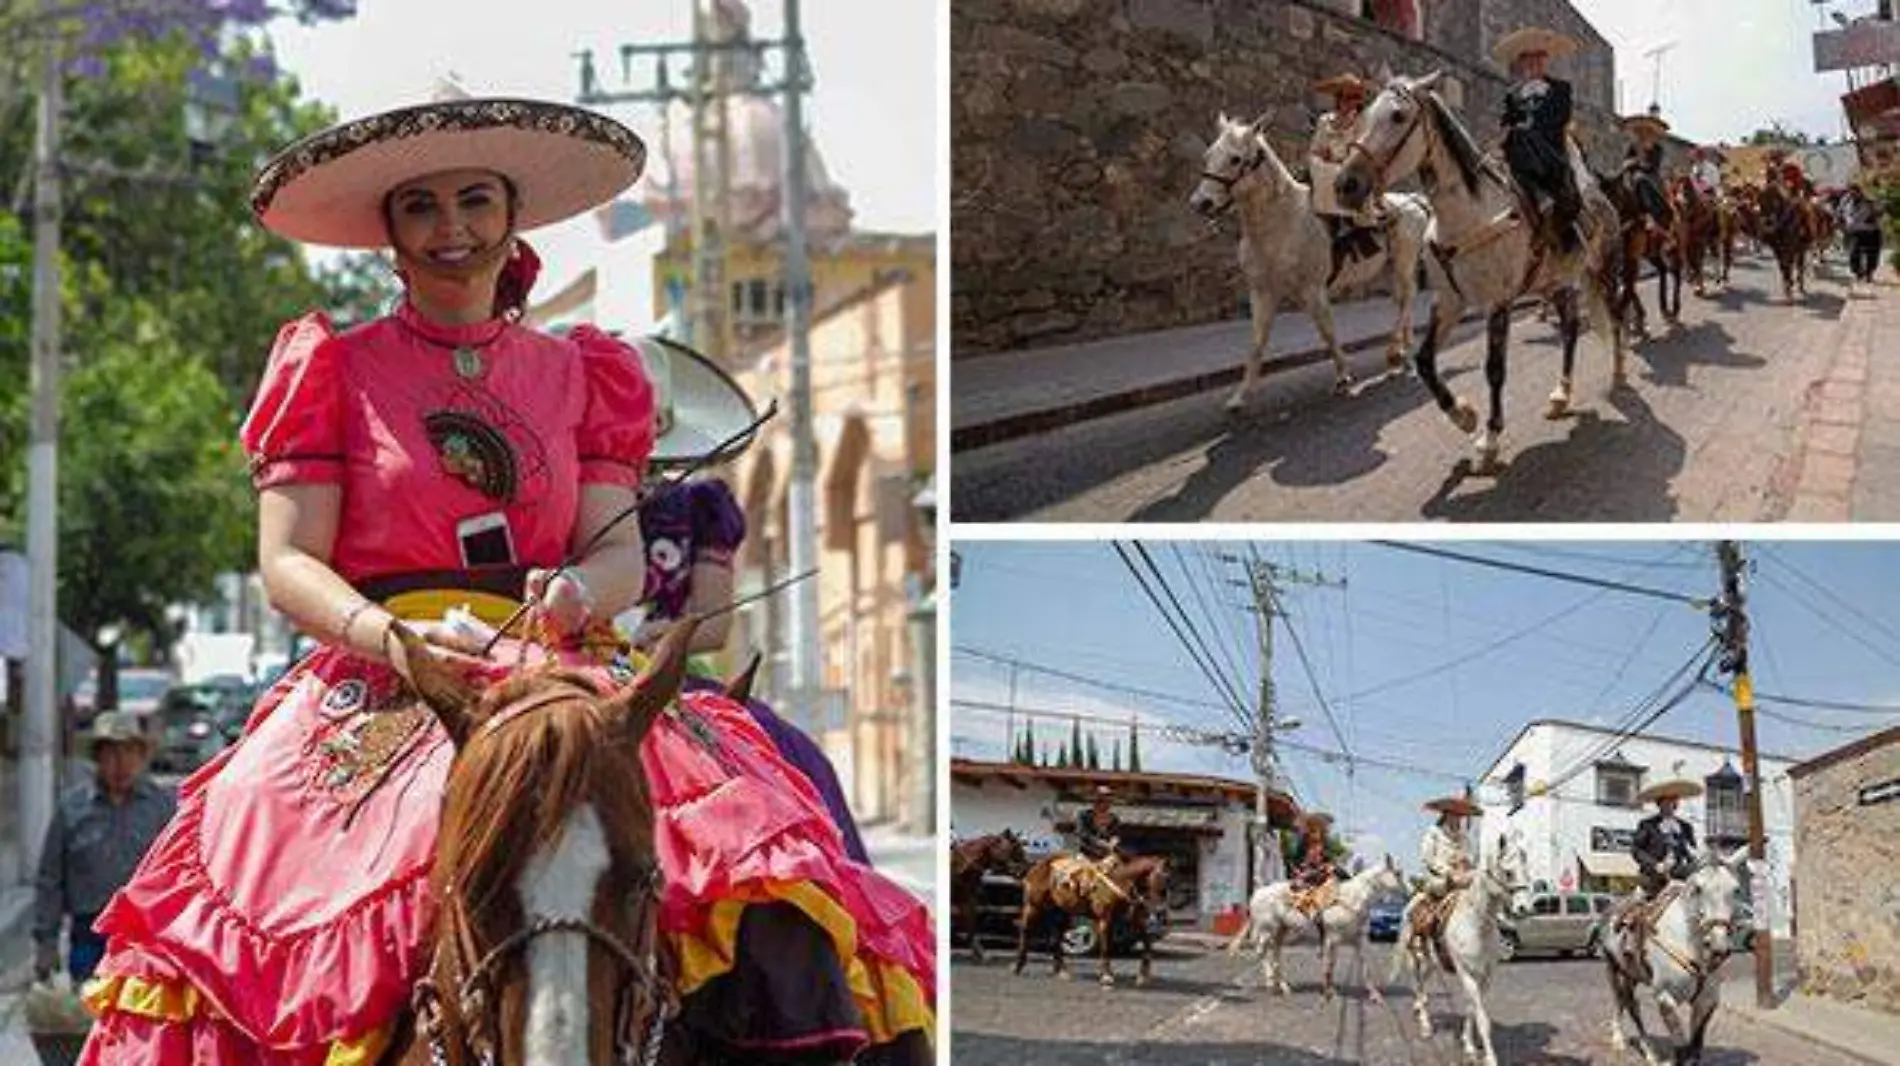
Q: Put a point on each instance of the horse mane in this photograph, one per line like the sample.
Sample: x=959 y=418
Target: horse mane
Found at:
x=1465 y=154
x=515 y=782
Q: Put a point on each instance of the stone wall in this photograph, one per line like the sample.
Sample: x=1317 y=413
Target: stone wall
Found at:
x=1847 y=923
x=1078 y=129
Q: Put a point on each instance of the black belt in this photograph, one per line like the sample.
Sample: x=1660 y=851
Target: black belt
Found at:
x=509 y=581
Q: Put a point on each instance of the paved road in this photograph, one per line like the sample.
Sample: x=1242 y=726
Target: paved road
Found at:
x=1207 y=1008
x=1753 y=410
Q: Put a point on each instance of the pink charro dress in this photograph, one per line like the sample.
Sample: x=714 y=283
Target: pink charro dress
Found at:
x=284 y=914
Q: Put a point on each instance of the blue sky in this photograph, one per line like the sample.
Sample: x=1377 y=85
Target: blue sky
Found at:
x=1704 y=93
x=1596 y=656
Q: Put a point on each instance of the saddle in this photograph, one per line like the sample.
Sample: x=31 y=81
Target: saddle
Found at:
x=1083 y=876
x=1637 y=920
x=1428 y=925
x=1311 y=901
x=1351 y=242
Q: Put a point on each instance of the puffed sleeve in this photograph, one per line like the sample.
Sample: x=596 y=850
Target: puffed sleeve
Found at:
x=294 y=432
x=718 y=523
x=616 y=432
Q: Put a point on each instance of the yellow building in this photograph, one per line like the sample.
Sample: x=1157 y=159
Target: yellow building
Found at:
x=873 y=358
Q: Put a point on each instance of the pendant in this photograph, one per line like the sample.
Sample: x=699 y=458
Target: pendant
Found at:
x=468 y=363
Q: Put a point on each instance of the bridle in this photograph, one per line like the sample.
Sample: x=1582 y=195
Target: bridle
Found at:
x=1247 y=166
x=1379 y=165
x=474 y=1013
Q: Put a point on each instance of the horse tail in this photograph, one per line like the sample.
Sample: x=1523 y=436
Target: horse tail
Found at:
x=1597 y=290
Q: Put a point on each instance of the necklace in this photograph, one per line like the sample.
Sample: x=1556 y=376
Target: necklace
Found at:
x=466 y=358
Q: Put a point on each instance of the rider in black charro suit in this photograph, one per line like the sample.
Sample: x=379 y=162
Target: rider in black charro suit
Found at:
x=1097 y=830
x=1536 y=122
x=1643 y=161
x=1664 y=850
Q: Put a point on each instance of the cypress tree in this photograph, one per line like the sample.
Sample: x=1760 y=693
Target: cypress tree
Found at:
x=1095 y=754
x=1118 y=755
x=1134 y=749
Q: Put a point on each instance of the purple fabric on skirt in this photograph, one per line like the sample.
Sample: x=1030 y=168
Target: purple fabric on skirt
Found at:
x=803 y=752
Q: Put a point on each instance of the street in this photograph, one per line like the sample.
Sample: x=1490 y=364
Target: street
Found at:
x=1207 y=1007
x=1751 y=410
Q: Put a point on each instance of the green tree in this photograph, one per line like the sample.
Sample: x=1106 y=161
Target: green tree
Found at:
x=1095 y=754
x=1029 y=743
x=1134 y=748
x=1117 y=762
x=1776 y=133
x=1075 y=743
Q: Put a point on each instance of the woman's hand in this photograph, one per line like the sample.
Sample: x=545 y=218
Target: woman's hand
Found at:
x=563 y=602
x=442 y=647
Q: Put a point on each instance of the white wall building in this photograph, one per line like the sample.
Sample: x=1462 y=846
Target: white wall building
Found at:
x=1200 y=823
x=1571 y=788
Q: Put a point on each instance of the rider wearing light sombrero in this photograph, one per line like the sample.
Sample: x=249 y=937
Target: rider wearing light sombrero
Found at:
x=1642 y=161
x=1446 y=853
x=1537 y=112
x=446 y=456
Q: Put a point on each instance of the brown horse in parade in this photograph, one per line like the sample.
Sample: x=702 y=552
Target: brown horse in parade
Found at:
x=1697 y=228
x=1639 y=240
x=1785 y=227
x=969 y=861
x=1132 y=889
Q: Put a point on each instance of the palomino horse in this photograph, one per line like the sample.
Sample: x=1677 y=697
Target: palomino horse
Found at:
x=1695 y=229
x=1640 y=240
x=969 y=861
x=1783 y=227
x=1684 y=953
x=1272 y=916
x=1062 y=884
x=547 y=882
x=1472 y=943
x=1484 y=252
x=1286 y=253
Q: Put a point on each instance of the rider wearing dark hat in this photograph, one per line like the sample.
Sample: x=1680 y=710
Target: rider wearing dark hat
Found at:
x=1664 y=846
x=1536 y=121
x=1643 y=160
x=1097 y=830
x=1315 y=869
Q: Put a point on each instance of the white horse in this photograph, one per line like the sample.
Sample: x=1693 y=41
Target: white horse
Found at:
x=1473 y=943
x=1287 y=254
x=1271 y=917
x=1484 y=253
x=1684 y=953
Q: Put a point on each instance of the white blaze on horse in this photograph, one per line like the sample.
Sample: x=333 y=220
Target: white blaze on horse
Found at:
x=1473 y=943
x=1286 y=252
x=1484 y=253
x=1273 y=915
x=1683 y=954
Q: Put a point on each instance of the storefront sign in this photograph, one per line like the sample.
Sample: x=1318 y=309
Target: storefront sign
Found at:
x=1884 y=792
x=1604 y=838
x=1869 y=43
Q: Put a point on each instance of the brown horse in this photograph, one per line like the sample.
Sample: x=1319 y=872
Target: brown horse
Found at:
x=1696 y=228
x=1728 y=223
x=1063 y=884
x=1786 y=230
x=546 y=879
x=969 y=861
x=1640 y=240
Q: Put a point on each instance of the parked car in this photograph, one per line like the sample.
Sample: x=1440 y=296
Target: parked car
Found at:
x=195 y=722
x=1000 y=906
x=1552 y=923
x=140 y=690
x=1383 y=921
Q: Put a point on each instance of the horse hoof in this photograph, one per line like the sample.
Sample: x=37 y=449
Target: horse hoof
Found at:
x=1142 y=981
x=1395 y=361
x=1559 y=407
x=1464 y=416
x=1236 y=404
x=1375 y=997
x=1108 y=981
x=1487 y=464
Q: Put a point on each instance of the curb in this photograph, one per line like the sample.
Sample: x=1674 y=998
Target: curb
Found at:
x=1770 y=1019
x=1031 y=423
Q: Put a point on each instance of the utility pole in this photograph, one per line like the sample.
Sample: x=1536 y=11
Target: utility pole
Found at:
x=1730 y=613
x=796 y=82
x=1655 y=55
x=40 y=733
x=1264 y=581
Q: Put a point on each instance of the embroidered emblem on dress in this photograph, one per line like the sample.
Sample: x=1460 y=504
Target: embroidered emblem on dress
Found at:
x=360 y=735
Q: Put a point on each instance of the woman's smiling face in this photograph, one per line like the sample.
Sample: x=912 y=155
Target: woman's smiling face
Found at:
x=452 y=232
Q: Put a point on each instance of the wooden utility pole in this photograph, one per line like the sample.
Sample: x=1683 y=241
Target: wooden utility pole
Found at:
x=1731 y=613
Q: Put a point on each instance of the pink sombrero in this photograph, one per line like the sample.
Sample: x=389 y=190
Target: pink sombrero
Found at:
x=328 y=188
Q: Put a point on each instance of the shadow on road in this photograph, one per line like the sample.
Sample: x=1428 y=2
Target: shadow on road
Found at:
x=982 y=1049
x=1707 y=343
x=1542 y=484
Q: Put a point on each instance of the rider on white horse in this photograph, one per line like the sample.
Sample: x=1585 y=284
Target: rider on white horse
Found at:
x=1315 y=870
x=1447 y=856
x=1536 y=122
x=1664 y=849
x=1354 y=235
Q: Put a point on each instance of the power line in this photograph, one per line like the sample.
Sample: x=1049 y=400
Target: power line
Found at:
x=1547 y=552
x=1555 y=575
x=1852 y=634
x=1180 y=612
x=1207 y=614
x=1707 y=655
x=1826 y=705
x=1080 y=679
x=1871 y=621
x=1306 y=666
x=1509 y=638
x=1234 y=704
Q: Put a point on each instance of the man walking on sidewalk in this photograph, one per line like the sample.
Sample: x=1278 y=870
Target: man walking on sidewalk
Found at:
x=1860 y=223
x=99 y=832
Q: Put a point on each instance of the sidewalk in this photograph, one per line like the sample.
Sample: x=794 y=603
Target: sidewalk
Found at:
x=1869 y=1034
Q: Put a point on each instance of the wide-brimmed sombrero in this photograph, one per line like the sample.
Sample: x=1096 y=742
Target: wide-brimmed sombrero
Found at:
x=1344 y=85
x=116 y=727
x=1532 y=39
x=1315 y=818
x=1654 y=123
x=699 y=406
x=1663 y=790
x=1458 y=805
x=328 y=188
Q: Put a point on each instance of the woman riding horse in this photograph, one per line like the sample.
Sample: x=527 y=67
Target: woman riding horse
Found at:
x=448 y=456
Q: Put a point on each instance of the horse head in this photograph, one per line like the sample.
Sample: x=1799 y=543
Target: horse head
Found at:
x=1712 y=890
x=1239 y=153
x=1507 y=870
x=1149 y=885
x=1397 y=128
x=1004 y=852
x=546 y=878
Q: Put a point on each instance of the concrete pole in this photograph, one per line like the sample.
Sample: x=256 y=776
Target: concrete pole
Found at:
x=40 y=735
x=803 y=491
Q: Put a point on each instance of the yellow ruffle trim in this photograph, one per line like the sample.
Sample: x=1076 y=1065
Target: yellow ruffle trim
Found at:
x=889 y=998
x=179 y=1002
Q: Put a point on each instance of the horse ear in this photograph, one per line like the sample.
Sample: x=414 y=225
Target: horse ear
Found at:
x=443 y=688
x=1385 y=73
x=739 y=689
x=1261 y=124
x=631 y=713
x=1429 y=81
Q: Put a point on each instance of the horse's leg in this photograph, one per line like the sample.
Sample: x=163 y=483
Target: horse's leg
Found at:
x=1146 y=973
x=1102 y=929
x=1320 y=308
x=971 y=917
x=1328 y=955
x=1701 y=1012
x=1568 y=327
x=1023 y=925
x=1497 y=340
x=1278 y=982
x=1264 y=307
x=1477 y=1019
x=1403 y=255
x=1425 y=360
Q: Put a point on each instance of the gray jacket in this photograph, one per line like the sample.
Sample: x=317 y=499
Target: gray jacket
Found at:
x=92 y=847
